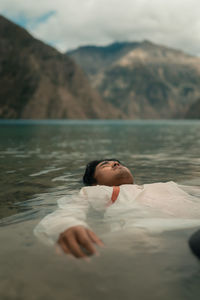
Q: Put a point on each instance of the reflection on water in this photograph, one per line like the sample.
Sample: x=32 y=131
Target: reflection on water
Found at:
x=42 y=161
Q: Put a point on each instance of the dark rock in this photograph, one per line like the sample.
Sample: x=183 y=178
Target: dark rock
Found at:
x=194 y=243
x=38 y=82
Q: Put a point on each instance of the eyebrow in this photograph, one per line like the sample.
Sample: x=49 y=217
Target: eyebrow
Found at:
x=103 y=163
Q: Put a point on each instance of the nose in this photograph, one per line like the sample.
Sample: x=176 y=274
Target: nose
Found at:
x=115 y=163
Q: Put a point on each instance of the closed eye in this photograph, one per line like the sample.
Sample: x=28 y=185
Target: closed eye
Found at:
x=103 y=164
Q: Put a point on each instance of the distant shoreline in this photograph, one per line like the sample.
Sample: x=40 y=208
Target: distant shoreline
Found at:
x=96 y=122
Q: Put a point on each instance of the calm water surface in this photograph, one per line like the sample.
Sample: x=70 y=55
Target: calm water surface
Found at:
x=42 y=161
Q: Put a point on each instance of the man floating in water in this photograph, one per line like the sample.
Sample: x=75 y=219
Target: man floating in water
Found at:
x=110 y=190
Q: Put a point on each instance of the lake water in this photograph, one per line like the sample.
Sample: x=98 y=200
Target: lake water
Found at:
x=42 y=161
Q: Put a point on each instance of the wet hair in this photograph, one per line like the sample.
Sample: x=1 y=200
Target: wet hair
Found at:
x=88 y=177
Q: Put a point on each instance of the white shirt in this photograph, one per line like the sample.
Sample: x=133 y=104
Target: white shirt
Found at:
x=157 y=206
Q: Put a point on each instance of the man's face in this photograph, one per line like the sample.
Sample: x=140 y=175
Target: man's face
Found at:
x=112 y=173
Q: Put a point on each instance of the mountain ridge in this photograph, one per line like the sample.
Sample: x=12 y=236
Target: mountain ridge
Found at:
x=124 y=80
x=38 y=82
x=144 y=80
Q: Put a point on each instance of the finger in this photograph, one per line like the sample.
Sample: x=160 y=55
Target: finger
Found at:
x=58 y=249
x=75 y=248
x=64 y=247
x=86 y=242
x=94 y=238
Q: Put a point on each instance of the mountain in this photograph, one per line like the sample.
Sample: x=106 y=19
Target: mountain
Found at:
x=142 y=79
x=38 y=82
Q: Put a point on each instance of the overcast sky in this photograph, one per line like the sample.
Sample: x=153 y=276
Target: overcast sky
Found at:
x=67 y=24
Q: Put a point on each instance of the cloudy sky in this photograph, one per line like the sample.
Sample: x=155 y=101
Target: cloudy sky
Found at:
x=67 y=24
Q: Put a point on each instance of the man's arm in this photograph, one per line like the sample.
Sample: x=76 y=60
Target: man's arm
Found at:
x=68 y=228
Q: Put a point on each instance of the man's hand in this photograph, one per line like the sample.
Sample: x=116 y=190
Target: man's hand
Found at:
x=75 y=238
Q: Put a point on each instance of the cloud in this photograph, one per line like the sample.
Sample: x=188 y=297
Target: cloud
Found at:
x=69 y=24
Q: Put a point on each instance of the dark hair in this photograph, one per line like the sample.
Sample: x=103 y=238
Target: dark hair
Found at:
x=88 y=177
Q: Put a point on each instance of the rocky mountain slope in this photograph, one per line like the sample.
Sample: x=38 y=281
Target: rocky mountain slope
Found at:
x=194 y=110
x=143 y=80
x=38 y=82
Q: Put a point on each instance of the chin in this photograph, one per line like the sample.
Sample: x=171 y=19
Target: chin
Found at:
x=125 y=181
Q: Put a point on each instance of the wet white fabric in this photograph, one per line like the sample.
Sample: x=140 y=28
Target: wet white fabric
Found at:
x=155 y=207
